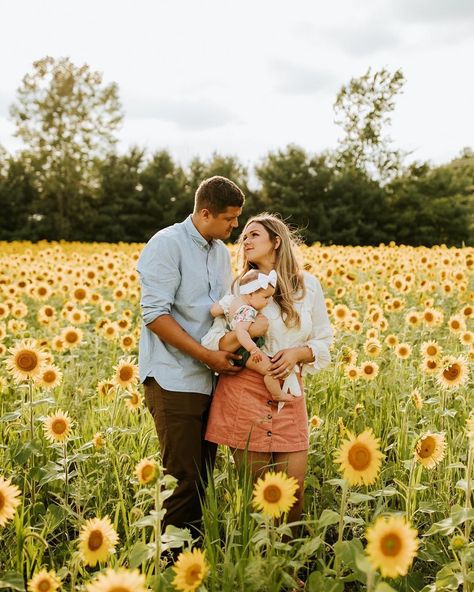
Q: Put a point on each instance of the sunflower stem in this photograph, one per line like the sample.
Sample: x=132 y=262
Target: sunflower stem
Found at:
x=470 y=458
x=345 y=490
x=157 y=527
x=409 y=490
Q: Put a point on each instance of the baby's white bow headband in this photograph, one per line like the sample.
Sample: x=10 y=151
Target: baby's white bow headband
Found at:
x=262 y=281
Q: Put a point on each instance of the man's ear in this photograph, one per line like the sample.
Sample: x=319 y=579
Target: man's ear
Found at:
x=205 y=213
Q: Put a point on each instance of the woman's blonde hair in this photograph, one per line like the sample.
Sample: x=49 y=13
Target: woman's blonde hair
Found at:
x=290 y=284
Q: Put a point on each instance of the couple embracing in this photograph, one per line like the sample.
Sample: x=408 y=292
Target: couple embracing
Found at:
x=270 y=328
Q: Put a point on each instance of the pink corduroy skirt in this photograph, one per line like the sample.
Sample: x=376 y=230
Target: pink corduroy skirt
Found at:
x=243 y=414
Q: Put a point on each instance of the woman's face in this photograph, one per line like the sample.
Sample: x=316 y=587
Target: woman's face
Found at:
x=258 y=247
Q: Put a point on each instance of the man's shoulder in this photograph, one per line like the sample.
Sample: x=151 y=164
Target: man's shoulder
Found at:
x=170 y=235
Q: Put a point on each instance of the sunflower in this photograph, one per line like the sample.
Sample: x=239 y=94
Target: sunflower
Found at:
x=403 y=351
x=50 y=377
x=44 y=581
x=349 y=356
x=57 y=426
x=126 y=373
x=106 y=388
x=98 y=440
x=391 y=340
x=110 y=330
x=416 y=398
x=372 y=347
x=369 y=370
x=97 y=540
x=57 y=344
x=26 y=360
x=453 y=372
x=134 y=400
x=430 y=449
x=9 y=495
x=127 y=342
x=191 y=568
x=456 y=324
x=352 y=372
x=391 y=546
x=360 y=458
x=413 y=318
x=122 y=580
x=430 y=349
x=430 y=365
x=466 y=338
x=71 y=337
x=315 y=422
x=274 y=494
x=146 y=471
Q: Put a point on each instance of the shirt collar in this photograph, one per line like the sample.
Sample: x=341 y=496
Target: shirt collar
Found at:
x=195 y=234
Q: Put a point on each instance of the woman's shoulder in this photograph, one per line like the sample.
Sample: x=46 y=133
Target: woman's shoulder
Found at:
x=311 y=282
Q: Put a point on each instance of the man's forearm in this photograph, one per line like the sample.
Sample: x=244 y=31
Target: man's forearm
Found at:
x=171 y=332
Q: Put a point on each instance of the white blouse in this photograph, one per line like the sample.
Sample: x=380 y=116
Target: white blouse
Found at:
x=314 y=331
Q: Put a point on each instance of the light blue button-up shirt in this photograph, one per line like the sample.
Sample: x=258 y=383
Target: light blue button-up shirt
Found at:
x=181 y=274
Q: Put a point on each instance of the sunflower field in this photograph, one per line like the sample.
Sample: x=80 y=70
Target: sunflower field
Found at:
x=388 y=492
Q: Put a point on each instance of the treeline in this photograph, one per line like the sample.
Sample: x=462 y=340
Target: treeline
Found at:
x=133 y=197
x=70 y=183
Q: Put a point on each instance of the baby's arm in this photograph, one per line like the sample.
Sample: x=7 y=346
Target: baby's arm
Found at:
x=217 y=310
x=242 y=334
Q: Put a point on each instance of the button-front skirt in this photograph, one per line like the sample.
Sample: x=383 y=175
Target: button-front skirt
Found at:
x=243 y=414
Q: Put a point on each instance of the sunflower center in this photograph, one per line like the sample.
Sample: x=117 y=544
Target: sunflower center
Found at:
x=71 y=337
x=193 y=574
x=431 y=351
x=48 y=312
x=119 y=589
x=49 y=376
x=80 y=294
x=96 y=538
x=27 y=361
x=2 y=501
x=59 y=426
x=272 y=494
x=452 y=372
x=126 y=373
x=147 y=472
x=368 y=370
x=427 y=447
x=359 y=457
x=431 y=364
x=44 y=585
x=391 y=544
x=127 y=341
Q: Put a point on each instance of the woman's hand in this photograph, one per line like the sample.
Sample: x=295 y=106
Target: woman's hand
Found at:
x=284 y=361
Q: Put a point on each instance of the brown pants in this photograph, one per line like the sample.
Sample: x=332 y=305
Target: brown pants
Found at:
x=180 y=420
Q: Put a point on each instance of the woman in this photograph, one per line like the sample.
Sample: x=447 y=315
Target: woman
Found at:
x=243 y=415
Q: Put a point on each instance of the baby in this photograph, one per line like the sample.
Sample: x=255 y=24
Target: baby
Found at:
x=255 y=291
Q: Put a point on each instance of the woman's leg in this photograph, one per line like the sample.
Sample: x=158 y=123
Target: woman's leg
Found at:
x=256 y=462
x=294 y=465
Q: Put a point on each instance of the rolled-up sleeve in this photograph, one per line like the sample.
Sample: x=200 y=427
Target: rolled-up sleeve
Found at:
x=322 y=334
x=159 y=279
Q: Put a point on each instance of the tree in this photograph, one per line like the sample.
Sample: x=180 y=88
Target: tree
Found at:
x=66 y=118
x=295 y=185
x=362 y=109
x=431 y=206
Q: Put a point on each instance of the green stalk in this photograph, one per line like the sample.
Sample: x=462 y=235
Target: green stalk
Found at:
x=345 y=490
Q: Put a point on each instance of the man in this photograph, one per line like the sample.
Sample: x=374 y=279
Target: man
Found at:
x=184 y=269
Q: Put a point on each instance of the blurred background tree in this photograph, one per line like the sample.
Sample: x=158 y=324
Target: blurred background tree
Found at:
x=66 y=118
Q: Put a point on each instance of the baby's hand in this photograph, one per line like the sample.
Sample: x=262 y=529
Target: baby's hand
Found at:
x=256 y=355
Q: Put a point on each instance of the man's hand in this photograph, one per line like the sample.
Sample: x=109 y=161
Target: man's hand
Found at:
x=219 y=361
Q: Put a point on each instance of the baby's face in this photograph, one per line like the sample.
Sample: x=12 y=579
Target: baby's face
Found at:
x=261 y=297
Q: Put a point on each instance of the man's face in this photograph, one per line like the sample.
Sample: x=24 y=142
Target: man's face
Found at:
x=221 y=226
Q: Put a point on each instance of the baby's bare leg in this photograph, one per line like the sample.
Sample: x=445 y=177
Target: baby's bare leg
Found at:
x=272 y=384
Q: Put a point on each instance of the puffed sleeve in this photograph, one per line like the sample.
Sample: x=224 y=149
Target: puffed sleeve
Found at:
x=322 y=334
x=159 y=278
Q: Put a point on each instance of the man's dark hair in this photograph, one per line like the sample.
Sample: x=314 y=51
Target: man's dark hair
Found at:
x=216 y=194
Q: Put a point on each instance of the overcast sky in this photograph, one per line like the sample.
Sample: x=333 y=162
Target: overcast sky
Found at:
x=250 y=76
